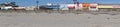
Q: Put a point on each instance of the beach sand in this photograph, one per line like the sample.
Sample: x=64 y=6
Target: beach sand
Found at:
x=58 y=20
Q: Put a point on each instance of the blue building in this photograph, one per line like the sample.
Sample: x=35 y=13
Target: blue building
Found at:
x=50 y=7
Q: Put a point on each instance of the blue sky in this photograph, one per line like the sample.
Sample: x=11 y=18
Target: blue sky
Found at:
x=32 y=2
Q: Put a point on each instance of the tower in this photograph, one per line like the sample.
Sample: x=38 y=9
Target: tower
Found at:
x=37 y=2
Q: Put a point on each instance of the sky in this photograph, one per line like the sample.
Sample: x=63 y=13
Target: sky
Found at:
x=41 y=2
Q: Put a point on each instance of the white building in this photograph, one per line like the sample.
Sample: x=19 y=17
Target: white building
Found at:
x=30 y=8
x=6 y=7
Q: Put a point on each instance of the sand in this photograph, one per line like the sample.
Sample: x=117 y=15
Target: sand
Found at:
x=58 y=20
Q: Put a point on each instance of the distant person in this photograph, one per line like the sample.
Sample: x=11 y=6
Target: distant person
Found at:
x=0 y=8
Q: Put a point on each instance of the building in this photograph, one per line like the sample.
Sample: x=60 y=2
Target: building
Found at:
x=50 y=7
x=91 y=7
x=84 y=6
x=109 y=7
x=19 y=8
x=8 y=5
x=30 y=8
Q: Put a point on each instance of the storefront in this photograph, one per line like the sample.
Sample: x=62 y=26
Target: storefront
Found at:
x=105 y=8
x=93 y=7
x=71 y=6
x=85 y=7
